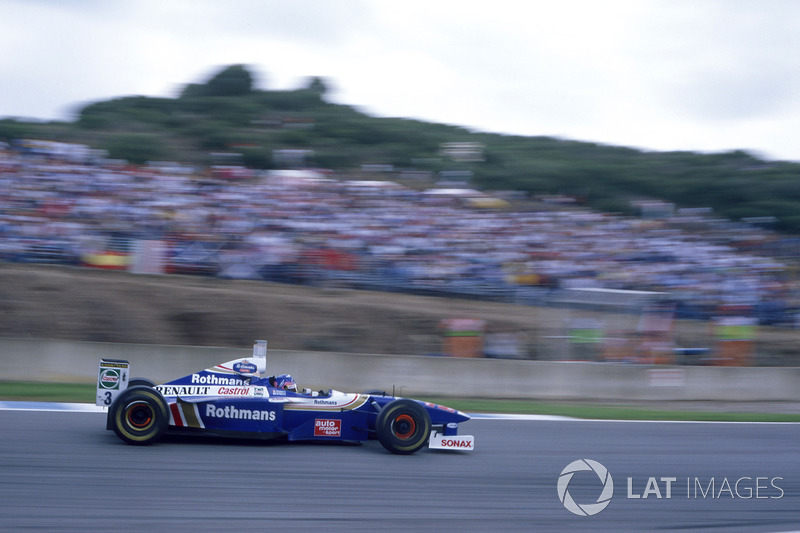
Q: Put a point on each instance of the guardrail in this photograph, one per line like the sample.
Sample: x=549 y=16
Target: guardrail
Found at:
x=76 y=362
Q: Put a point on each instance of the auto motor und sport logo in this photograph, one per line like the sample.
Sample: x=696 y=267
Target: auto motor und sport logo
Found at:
x=327 y=428
x=585 y=509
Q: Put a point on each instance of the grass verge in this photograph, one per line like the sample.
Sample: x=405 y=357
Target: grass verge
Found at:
x=607 y=411
x=47 y=392
x=85 y=393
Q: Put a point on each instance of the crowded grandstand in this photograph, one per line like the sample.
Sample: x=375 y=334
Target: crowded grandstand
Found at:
x=67 y=204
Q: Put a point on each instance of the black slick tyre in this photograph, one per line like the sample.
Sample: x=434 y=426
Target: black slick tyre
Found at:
x=141 y=382
x=139 y=415
x=403 y=426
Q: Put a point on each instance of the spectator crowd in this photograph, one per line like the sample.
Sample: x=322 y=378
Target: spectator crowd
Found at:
x=66 y=204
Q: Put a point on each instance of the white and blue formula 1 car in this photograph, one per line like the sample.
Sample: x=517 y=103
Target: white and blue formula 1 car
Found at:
x=234 y=399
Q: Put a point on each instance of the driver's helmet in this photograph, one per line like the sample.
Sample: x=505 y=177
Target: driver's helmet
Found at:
x=285 y=382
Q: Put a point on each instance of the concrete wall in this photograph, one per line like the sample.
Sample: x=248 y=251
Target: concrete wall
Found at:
x=65 y=361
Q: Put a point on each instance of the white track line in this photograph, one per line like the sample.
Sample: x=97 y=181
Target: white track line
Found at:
x=49 y=406
x=91 y=408
x=493 y=416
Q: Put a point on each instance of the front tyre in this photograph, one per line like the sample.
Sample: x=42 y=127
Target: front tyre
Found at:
x=139 y=415
x=403 y=426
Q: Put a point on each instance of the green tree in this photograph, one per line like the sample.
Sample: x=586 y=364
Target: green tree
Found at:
x=317 y=86
x=234 y=80
x=136 y=148
x=13 y=129
x=257 y=157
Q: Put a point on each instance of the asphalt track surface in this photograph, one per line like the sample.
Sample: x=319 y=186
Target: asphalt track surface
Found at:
x=61 y=471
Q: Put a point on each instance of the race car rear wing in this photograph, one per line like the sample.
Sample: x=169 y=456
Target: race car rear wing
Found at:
x=112 y=378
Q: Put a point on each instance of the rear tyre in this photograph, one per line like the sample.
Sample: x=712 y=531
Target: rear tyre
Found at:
x=403 y=426
x=139 y=415
x=141 y=382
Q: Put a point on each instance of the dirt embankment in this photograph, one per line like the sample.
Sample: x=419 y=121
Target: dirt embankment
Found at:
x=83 y=304
x=68 y=303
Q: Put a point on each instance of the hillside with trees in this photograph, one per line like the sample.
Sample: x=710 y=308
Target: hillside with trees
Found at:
x=226 y=119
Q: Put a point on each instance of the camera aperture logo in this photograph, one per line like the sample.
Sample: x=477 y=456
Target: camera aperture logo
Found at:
x=585 y=509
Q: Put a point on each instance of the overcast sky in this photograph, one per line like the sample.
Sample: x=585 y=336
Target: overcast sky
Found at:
x=701 y=75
